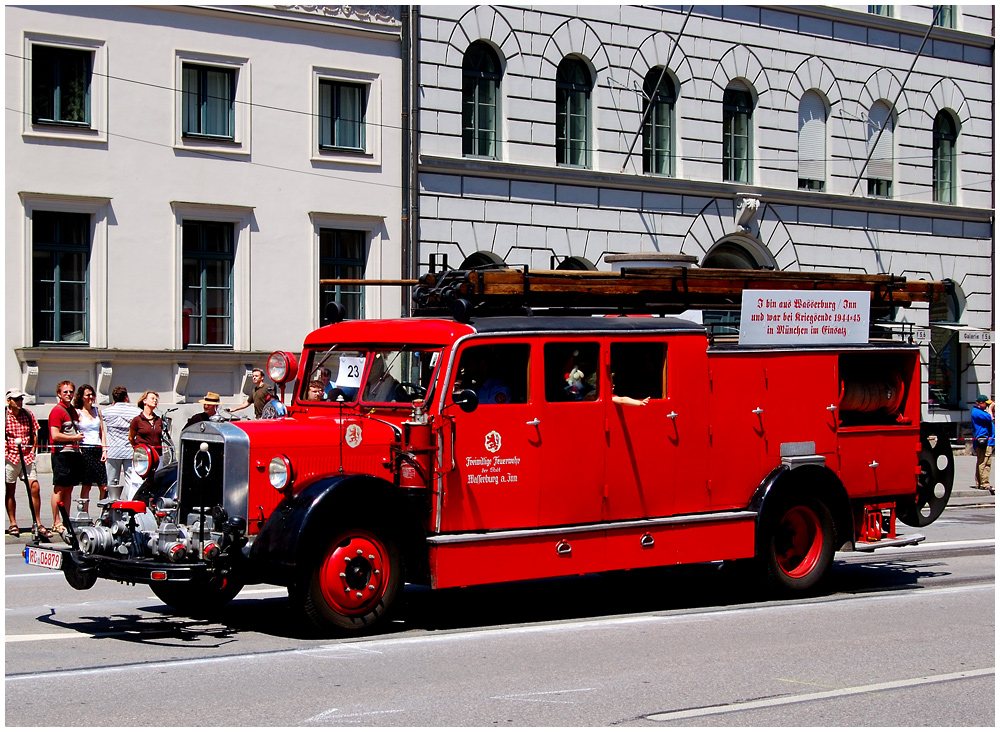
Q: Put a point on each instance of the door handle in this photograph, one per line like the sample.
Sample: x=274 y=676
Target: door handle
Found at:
x=534 y=423
x=672 y=415
x=563 y=548
x=758 y=411
x=832 y=408
x=873 y=464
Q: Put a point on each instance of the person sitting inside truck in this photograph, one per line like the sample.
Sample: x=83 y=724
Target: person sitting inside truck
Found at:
x=381 y=386
x=315 y=391
x=478 y=373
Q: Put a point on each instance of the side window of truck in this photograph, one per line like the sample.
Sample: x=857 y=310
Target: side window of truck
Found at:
x=571 y=372
x=639 y=370
x=498 y=373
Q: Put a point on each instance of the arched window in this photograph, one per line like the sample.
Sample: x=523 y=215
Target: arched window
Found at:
x=812 y=142
x=658 y=131
x=944 y=16
x=945 y=136
x=727 y=255
x=737 y=133
x=573 y=85
x=880 y=166
x=480 y=101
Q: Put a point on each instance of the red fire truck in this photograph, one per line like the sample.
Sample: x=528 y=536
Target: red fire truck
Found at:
x=509 y=434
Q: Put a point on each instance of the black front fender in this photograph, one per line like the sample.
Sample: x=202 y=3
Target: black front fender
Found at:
x=299 y=527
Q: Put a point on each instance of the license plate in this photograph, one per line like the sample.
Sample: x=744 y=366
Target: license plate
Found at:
x=42 y=558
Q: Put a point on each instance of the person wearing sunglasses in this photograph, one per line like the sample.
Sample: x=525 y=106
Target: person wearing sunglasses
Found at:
x=65 y=436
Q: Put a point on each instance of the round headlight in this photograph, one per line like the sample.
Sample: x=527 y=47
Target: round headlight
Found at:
x=279 y=472
x=143 y=460
x=281 y=367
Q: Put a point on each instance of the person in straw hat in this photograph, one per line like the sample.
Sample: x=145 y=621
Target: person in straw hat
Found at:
x=209 y=404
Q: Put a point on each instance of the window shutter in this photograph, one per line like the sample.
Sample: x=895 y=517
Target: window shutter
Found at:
x=881 y=162
x=812 y=137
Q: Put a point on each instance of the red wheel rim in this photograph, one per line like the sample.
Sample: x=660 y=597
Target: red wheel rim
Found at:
x=355 y=572
x=798 y=542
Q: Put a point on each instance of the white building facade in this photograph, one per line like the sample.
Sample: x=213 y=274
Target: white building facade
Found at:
x=179 y=180
x=813 y=138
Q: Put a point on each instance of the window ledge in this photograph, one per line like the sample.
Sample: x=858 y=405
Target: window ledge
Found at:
x=345 y=156
x=66 y=131
x=219 y=145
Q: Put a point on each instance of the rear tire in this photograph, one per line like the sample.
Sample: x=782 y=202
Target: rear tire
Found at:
x=355 y=582
x=198 y=598
x=796 y=544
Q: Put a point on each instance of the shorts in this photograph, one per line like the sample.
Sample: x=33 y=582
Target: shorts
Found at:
x=93 y=472
x=13 y=471
x=67 y=465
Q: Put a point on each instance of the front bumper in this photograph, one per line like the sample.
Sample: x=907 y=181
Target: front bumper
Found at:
x=75 y=564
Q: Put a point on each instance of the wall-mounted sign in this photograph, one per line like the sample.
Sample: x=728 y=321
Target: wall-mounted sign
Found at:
x=979 y=337
x=921 y=335
x=783 y=317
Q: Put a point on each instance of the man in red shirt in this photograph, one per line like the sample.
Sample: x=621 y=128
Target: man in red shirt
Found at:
x=65 y=437
x=20 y=424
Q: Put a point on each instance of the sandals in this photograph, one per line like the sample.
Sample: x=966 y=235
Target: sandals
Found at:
x=57 y=529
x=44 y=533
x=14 y=530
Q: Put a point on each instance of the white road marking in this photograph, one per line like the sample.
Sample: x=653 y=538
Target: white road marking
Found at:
x=816 y=696
x=369 y=644
x=529 y=696
x=329 y=714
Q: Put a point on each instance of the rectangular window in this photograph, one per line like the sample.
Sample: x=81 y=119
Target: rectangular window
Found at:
x=879 y=188
x=60 y=85
x=497 y=373
x=207 y=107
x=60 y=292
x=639 y=370
x=883 y=10
x=207 y=283
x=342 y=111
x=944 y=374
x=341 y=256
x=571 y=372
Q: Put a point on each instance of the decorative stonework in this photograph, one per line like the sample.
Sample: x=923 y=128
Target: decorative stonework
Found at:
x=383 y=14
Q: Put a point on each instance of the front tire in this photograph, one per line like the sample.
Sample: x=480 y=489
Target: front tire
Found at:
x=354 y=583
x=797 y=544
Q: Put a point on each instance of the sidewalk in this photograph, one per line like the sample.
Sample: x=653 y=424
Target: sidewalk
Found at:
x=964 y=485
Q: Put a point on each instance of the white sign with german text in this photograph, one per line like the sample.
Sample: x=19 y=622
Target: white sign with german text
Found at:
x=783 y=317
x=983 y=337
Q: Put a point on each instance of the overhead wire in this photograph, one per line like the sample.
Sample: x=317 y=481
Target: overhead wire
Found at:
x=789 y=159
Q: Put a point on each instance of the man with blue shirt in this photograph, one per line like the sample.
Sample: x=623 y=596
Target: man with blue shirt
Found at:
x=983 y=440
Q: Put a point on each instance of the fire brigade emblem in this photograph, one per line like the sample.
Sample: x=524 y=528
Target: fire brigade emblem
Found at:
x=493 y=441
x=353 y=435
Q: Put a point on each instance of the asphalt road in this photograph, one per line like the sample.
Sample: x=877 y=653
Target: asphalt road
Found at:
x=899 y=638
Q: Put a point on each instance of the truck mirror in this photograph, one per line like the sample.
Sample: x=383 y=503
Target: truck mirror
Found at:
x=467 y=400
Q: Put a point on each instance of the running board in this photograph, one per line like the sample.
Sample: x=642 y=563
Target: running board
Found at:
x=682 y=519
x=870 y=546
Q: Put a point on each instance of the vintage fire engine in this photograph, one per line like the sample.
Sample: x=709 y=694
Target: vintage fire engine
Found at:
x=508 y=433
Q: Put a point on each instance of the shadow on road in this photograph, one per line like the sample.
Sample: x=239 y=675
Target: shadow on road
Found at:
x=568 y=598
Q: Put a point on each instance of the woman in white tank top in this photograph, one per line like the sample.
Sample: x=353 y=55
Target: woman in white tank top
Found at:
x=94 y=446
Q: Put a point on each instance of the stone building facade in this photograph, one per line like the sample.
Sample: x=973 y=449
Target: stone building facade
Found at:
x=811 y=138
x=179 y=179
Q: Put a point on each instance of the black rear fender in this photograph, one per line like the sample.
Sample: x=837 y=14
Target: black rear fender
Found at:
x=815 y=481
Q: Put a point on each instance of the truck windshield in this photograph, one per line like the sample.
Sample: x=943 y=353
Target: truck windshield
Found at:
x=332 y=374
x=399 y=375
x=379 y=376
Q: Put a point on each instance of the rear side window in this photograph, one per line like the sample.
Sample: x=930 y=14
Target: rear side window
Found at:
x=498 y=373
x=571 y=373
x=639 y=370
